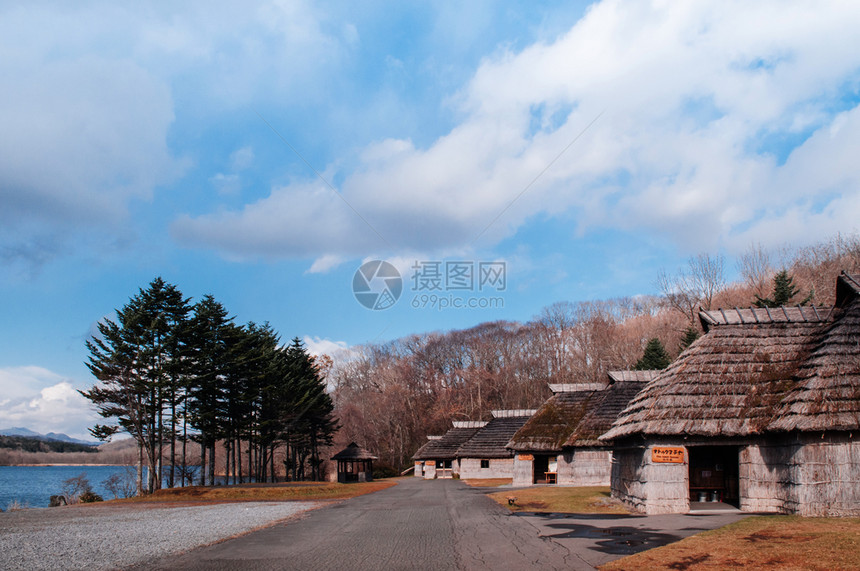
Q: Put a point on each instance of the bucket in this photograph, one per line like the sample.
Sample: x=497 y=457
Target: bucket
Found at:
x=715 y=496
x=703 y=496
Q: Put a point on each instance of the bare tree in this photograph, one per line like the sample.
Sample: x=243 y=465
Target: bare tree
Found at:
x=755 y=267
x=695 y=286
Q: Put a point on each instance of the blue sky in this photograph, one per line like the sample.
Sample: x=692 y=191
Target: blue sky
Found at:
x=263 y=152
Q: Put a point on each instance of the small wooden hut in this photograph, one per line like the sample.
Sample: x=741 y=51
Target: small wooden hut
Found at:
x=763 y=411
x=354 y=464
x=559 y=443
x=485 y=454
x=438 y=457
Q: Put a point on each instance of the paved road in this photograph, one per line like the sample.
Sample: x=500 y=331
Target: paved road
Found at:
x=441 y=524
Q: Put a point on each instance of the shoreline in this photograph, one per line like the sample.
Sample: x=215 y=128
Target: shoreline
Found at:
x=59 y=464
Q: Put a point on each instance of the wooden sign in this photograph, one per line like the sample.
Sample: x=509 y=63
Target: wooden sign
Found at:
x=525 y=457
x=667 y=454
x=430 y=463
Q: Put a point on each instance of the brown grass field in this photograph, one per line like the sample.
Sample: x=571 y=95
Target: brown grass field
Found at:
x=304 y=491
x=561 y=499
x=759 y=542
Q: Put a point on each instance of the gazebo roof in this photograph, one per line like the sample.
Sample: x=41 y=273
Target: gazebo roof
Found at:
x=353 y=452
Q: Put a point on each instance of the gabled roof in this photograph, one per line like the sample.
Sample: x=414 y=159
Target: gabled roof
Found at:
x=554 y=421
x=754 y=372
x=353 y=452
x=827 y=393
x=445 y=448
x=614 y=399
x=577 y=414
x=491 y=440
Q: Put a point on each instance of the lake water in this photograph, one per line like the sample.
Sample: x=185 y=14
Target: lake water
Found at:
x=33 y=486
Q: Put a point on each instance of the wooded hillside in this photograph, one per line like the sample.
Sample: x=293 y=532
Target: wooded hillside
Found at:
x=390 y=396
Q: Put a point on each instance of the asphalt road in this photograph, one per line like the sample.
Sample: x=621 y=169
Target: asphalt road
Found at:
x=440 y=524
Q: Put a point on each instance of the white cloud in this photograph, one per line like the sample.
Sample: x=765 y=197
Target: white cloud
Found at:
x=44 y=401
x=317 y=346
x=88 y=100
x=695 y=99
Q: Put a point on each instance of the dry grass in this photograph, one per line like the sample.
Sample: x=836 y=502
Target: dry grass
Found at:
x=488 y=482
x=561 y=499
x=305 y=491
x=763 y=542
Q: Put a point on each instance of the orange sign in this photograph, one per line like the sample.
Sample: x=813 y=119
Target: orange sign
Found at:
x=430 y=463
x=667 y=454
x=525 y=457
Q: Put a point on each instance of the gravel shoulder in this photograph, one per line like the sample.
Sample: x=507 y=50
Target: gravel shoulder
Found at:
x=106 y=537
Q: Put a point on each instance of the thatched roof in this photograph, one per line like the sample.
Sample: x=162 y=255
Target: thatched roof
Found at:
x=826 y=395
x=759 y=370
x=445 y=448
x=577 y=417
x=353 y=452
x=491 y=440
x=599 y=419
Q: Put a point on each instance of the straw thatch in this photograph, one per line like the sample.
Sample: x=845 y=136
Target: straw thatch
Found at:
x=759 y=370
x=445 y=448
x=491 y=440
x=353 y=452
x=576 y=417
x=827 y=393
x=614 y=400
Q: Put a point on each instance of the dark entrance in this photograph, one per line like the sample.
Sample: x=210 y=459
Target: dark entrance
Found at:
x=545 y=469
x=714 y=474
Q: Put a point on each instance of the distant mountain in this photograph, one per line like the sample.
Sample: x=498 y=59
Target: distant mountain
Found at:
x=59 y=437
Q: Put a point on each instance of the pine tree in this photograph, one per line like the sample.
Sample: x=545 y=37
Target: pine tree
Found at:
x=210 y=337
x=691 y=333
x=655 y=357
x=136 y=360
x=784 y=291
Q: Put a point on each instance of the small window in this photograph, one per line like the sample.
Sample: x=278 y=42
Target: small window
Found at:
x=485 y=463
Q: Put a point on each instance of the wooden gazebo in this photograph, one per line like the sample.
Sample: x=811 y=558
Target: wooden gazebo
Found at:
x=354 y=464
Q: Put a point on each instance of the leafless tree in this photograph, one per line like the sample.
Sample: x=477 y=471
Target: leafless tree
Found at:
x=695 y=286
x=755 y=267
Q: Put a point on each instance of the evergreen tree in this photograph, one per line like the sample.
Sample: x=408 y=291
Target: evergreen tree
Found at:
x=784 y=291
x=137 y=362
x=691 y=333
x=211 y=335
x=655 y=357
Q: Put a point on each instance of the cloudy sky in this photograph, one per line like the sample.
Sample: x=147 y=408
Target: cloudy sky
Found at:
x=263 y=152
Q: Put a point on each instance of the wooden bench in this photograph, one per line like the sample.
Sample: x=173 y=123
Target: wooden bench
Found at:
x=551 y=477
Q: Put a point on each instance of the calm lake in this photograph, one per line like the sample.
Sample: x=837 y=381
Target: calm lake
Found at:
x=33 y=486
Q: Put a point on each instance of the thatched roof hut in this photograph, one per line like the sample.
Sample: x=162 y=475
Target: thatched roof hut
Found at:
x=446 y=447
x=763 y=410
x=559 y=444
x=491 y=440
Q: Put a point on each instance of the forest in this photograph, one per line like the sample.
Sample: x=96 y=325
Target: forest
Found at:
x=171 y=373
x=390 y=396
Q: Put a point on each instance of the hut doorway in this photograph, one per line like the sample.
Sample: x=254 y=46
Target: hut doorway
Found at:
x=545 y=469
x=714 y=474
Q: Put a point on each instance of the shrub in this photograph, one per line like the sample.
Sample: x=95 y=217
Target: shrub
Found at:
x=75 y=487
x=90 y=497
x=384 y=471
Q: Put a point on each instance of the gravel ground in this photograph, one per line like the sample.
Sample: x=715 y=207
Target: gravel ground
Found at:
x=111 y=537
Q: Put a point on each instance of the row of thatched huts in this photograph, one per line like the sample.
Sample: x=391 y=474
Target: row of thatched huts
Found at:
x=762 y=412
